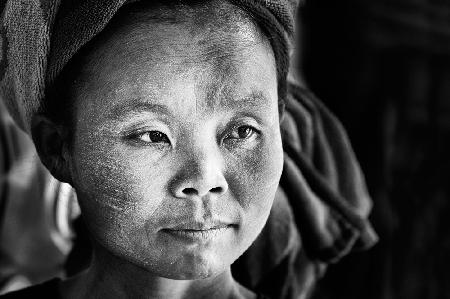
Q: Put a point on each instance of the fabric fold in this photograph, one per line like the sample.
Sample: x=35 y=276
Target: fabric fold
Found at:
x=323 y=180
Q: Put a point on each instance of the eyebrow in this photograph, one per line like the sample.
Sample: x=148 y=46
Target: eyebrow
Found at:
x=122 y=110
x=254 y=99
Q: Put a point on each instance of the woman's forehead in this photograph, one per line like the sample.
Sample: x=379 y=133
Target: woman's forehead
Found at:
x=197 y=33
x=175 y=44
x=170 y=60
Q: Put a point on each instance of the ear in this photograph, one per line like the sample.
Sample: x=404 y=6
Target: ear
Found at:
x=53 y=146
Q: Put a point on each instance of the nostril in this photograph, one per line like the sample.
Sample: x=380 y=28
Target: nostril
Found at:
x=216 y=190
x=193 y=191
x=190 y=191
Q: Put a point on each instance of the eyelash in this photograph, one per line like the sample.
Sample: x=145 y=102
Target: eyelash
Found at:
x=138 y=137
x=253 y=133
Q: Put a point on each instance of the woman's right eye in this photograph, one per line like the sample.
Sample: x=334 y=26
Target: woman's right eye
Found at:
x=150 y=137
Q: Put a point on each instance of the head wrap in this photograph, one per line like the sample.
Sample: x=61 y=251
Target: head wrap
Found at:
x=39 y=37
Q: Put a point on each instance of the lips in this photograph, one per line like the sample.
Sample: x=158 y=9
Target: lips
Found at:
x=199 y=230
x=200 y=226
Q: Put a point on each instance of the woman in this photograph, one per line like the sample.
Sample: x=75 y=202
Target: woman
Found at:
x=165 y=118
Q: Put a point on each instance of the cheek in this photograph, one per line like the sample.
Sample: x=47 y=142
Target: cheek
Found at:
x=253 y=184
x=257 y=176
x=117 y=191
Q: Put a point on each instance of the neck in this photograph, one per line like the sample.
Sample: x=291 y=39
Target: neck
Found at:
x=112 y=277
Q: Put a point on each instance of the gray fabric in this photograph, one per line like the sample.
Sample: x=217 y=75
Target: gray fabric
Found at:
x=35 y=211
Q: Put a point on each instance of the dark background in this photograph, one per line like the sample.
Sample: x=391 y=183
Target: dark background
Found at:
x=384 y=68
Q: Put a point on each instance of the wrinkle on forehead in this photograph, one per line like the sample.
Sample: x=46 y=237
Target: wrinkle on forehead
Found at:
x=210 y=31
x=214 y=52
x=175 y=44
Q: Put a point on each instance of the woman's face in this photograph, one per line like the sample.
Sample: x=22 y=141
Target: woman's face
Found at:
x=177 y=151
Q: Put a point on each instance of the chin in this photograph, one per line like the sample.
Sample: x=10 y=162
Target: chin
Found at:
x=192 y=267
x=178 y=262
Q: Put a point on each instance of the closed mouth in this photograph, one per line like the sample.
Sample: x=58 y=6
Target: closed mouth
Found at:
x=204 y=232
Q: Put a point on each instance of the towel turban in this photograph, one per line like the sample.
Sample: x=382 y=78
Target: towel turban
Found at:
x=39 y=37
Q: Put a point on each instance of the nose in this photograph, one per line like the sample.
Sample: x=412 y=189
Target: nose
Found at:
x=201 y=174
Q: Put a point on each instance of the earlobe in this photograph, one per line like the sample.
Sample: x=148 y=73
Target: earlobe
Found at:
x=52 y=144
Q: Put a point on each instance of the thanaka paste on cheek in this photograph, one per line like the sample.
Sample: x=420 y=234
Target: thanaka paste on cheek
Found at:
x=130 y=192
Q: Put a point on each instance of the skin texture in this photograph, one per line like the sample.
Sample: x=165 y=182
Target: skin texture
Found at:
x=176 y=153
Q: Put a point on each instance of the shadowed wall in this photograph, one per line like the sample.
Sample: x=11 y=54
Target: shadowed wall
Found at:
x=384 y=68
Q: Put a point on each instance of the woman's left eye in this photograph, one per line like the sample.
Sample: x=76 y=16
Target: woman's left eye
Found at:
x=242 y=132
